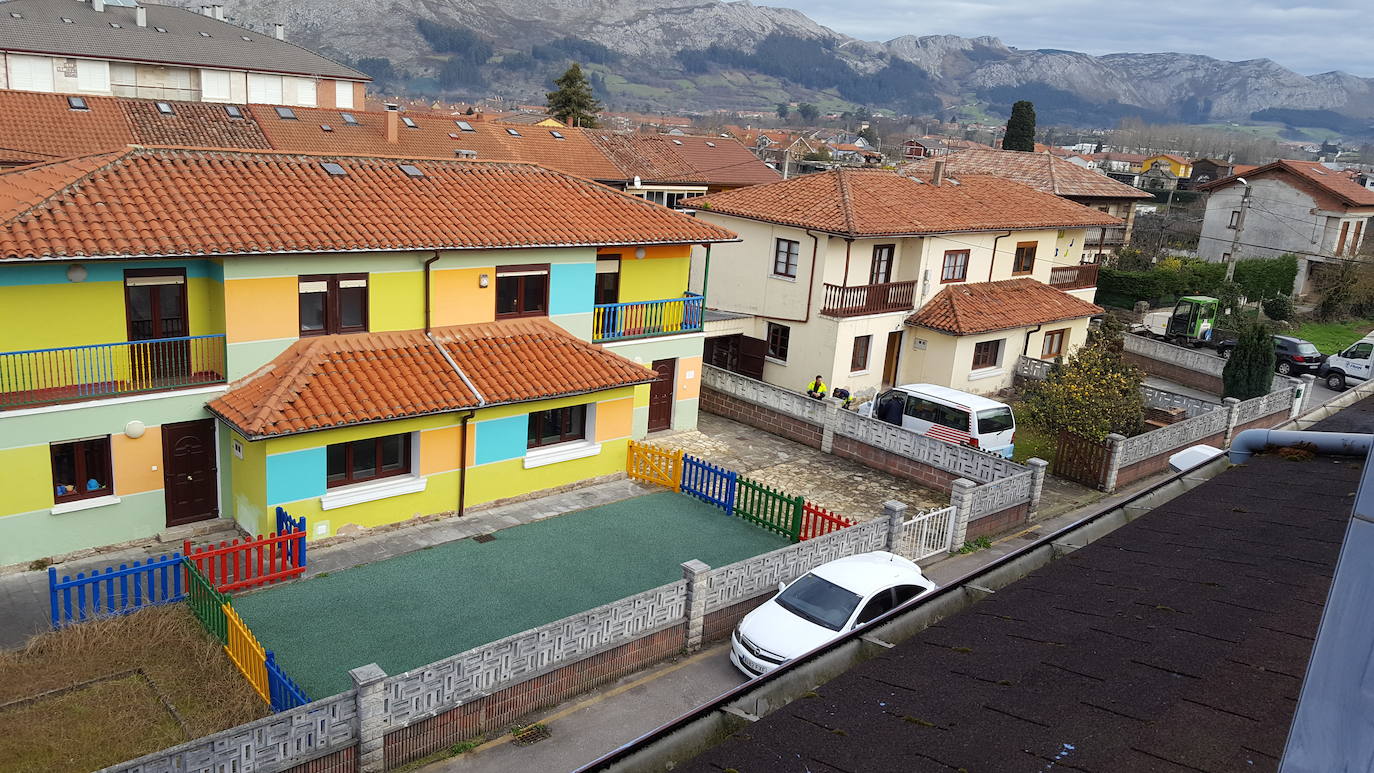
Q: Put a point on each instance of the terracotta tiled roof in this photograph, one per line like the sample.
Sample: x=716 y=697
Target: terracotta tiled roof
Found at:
x=42 y=127
x=875 y=202
x=1041 y=171
x=1328 y=181
x=716 y=161
x=185 y=201
x=982 y=307
x=197 y=124
x=335 y=381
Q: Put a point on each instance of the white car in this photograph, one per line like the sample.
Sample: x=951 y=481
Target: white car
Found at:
x=821 y=605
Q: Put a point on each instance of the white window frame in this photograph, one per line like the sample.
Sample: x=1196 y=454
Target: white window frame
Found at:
x=215 y=86
x=568 y=450
x=343 y=95
x=264 y=89
x=306 y=93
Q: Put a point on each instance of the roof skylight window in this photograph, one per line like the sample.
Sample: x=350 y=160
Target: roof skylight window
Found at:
x=204 y=34
x=285 y=113
x=558 y=135
x=412 y=170
x=334 y=170
x=233 y=111
x=116 y=25
x=677 y=142
x=245 y=37
x=324 y=127
x=65 y=20
x=409 y=122
x=166 y=108
x=513 y=132
x=160 y=29
x=77 y=103
x=348 y=119
x=453 y=135
x=16 y=15
x=710 y=144
x=465 y=126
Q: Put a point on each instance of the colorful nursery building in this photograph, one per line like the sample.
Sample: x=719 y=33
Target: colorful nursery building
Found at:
x=188 y=334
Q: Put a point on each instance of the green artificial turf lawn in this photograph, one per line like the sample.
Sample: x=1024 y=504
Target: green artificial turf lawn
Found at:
x=412 y=610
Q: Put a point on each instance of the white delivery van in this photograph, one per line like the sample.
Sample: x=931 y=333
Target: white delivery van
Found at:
x=1350 y=367
x=949 y=415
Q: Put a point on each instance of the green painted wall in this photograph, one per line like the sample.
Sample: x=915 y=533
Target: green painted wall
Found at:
x=42 y=426
x=31 y=535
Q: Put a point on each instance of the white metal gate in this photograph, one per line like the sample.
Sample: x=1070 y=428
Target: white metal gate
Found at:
x=927 y=534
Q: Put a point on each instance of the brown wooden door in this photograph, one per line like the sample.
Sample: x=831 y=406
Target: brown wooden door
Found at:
x=751 y=354
x=892 y=358
x=661 y=395
x=188 y=471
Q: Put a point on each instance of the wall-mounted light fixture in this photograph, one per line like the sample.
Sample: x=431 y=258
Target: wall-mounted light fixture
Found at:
x=483 y=280
x=135 y=429
x=77 y=273
x=640 y=253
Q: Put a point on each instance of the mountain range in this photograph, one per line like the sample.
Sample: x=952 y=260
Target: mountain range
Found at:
x=682 y=55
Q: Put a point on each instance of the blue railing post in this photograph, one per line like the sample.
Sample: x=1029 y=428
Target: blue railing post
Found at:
x=41 y=376
x=642 y=319
x=52 y=594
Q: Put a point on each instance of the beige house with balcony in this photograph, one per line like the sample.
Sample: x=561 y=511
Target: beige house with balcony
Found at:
x=832 y=265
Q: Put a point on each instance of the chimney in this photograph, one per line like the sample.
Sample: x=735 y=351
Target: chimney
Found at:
x=279 y=31
x=206 y=10
x=218 y=11
x=939 y=175
x=393 y=123
x=98 y=5
x=141 y=16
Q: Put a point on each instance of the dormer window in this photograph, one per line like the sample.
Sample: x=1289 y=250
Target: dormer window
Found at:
x=165 y=108
x=77 y=103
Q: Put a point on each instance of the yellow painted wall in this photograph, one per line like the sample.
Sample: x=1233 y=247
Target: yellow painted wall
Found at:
x=25 y=479
x=458 y=297
x=653 y=279
x=43 y=316
x=650 y=253
x=500 y=480
x=137 y=462
x=249 y=476
x=261 y=309
x=396 y=301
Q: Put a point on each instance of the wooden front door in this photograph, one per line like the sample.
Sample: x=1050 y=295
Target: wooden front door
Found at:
x=189 y=471
x=661 y=395
x=892 y=358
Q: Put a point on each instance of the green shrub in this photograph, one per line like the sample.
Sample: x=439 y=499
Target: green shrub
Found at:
x=1094 y=394
x=1266 y=277
x=1250 y=370
x=1279 y=307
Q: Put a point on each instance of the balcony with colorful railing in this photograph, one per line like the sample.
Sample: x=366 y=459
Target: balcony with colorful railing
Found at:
x=1074 y=277
x=72 y=373
x=646 y=319
x=858 y=300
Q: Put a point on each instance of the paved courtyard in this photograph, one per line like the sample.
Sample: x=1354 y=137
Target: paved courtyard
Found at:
x=414 y=609
x=837 y=484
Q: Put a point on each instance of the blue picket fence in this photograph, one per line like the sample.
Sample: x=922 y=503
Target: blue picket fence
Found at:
x=709 y=483
x=115 y=591
x=285 y=693
x=286 y=525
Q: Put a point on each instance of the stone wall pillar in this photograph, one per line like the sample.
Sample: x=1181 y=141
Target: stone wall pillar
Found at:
x=1309 y=400
x=961 y=499
x=895 y=513
x=832 y=410
x=1229 y=404
x=370 y=681
x=694 y=572
x=1114 y=448
x=1037 y=466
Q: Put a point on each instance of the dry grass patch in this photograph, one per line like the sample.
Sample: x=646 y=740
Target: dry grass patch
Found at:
x=103 y=692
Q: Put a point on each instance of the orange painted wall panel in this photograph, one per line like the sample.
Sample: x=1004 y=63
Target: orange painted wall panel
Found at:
x=614 y=419
x=137 y=462
x=261 y=309
x=688 y=378
x=438 y=450
x=458 y=298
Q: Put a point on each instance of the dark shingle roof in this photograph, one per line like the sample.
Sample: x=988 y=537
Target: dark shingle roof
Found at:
x=41 y=30
x=1177 y=642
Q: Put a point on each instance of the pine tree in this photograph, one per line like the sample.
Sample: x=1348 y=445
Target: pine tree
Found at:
x=574 y=103
x=1020 y=128
x=1250 y=371
x=784 y=110
x=808 y=112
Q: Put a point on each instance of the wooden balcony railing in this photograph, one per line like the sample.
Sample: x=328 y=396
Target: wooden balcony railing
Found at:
x=841 y=301
x=1074 y=277
x=642 y=319
x=1110 y=236
x=43 y=376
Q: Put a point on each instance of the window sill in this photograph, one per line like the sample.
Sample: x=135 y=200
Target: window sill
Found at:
x=78 y=505
x=983 y=373
x=774 y=360
x=563 y=452
x=371 y=491
x=783 y=277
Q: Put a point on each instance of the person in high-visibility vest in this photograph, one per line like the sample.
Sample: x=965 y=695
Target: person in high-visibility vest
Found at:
x=816 y=388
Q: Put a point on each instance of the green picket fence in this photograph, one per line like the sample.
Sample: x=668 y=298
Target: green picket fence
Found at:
x=206 y=603
x=769 y=508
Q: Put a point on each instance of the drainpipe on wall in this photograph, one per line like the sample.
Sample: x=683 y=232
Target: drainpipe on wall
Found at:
x=463 y=461
x=992 y=263
x=1025 y=347
x=811 y=282
x=847 y=244
x=428 y=263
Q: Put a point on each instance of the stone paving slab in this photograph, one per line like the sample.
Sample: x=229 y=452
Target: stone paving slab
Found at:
x=837 y=484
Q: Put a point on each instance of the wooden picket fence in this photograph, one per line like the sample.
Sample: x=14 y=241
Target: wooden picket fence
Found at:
x=246 y=652
x=114 y=591
x=769 y=508
x=817 y=520
x=709 y=483
x=658 y=466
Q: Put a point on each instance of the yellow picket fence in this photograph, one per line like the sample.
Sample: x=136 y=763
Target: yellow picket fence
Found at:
x=246 y=652
x=659 y=466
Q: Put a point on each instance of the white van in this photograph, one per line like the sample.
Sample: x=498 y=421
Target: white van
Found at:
x=949 y=415
x=1350 y=367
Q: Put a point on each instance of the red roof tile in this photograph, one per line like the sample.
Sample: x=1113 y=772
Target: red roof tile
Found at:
x=1328 y=181
x=334 y=381
x=41 y=127
x=196 y=124
x=661 y=158
x=186 y=201
x=982 y=307
x=1041 y=171
x=875 y=202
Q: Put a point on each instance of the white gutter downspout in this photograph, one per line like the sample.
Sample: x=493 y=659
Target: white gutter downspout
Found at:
x=1247 y=443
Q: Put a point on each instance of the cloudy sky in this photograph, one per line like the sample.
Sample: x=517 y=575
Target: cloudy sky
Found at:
x=1311 y=37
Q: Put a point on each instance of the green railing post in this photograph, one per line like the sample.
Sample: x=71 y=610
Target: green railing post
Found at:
x=206 y=603
x=798 y=504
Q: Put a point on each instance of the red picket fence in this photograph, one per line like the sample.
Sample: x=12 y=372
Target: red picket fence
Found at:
x=817 y=520
x=250 y=562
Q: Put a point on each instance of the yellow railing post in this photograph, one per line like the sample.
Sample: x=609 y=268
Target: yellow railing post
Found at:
x=247 y=653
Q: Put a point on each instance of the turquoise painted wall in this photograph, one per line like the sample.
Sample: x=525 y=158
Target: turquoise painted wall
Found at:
x=501 y=439
x=16 y=275
x=572 y=288
x=295 y=475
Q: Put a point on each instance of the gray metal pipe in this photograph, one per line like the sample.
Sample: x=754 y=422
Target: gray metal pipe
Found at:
x=1251 y=440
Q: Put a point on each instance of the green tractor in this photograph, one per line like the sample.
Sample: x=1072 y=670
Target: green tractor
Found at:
x=1191 y=323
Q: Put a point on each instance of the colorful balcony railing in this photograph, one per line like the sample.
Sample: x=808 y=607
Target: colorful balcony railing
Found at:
x=43 y=376
x=1074 y=277
x=641 y=319
x=857 y=300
